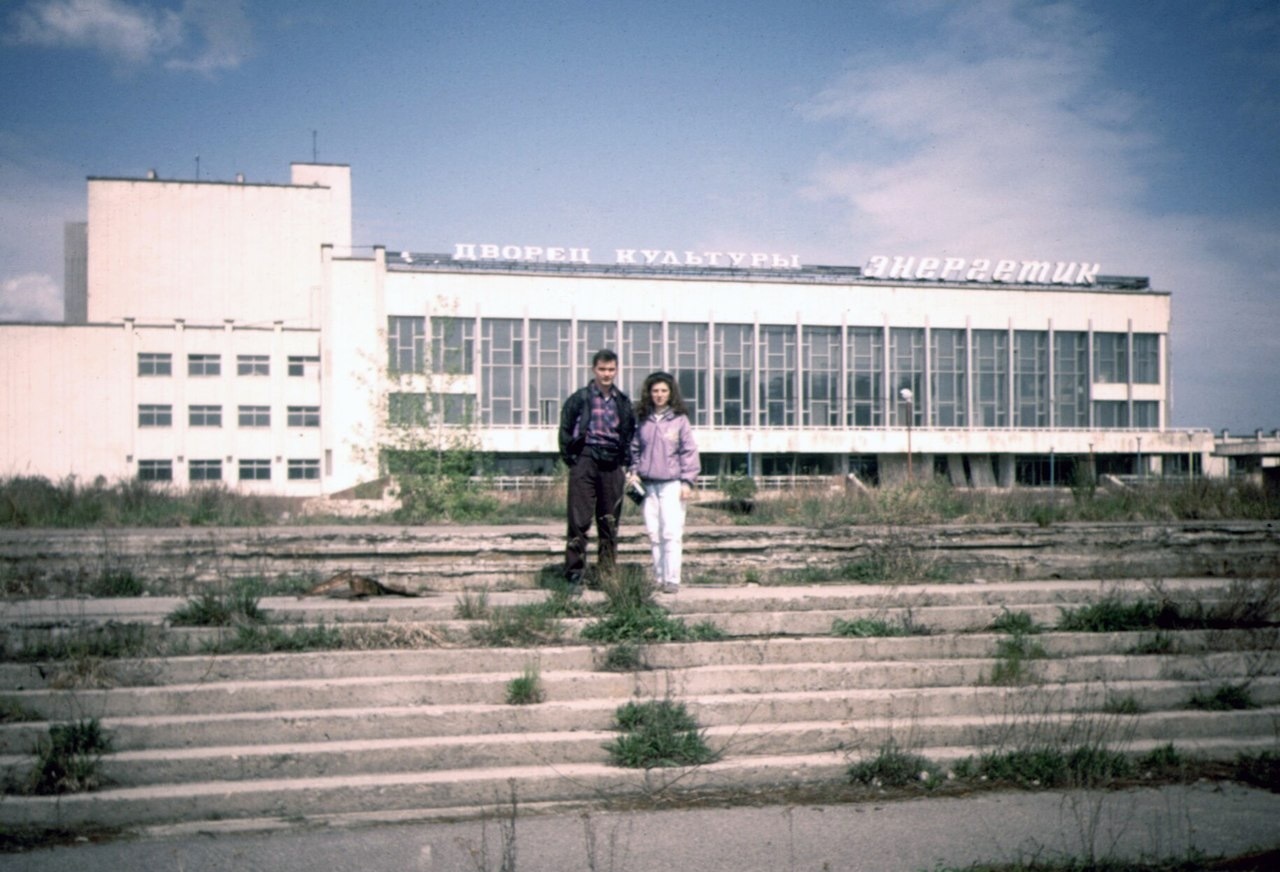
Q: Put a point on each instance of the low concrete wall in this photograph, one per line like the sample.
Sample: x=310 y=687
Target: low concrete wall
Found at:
x=182 y=561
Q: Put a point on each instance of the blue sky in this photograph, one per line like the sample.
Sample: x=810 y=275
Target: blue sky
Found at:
x=1142 y=136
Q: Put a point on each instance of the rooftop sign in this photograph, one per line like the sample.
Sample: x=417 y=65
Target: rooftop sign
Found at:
x=959 y=269
x=635 y=256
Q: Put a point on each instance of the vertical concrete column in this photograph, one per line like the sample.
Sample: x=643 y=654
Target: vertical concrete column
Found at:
x=1006 y=473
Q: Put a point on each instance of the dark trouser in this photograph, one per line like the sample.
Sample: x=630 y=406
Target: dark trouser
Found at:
x=595 y=491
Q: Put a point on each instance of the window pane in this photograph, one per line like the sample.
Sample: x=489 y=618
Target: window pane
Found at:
x=155 y=364
x=406 y=343
x=253 y=364
x=204 y=364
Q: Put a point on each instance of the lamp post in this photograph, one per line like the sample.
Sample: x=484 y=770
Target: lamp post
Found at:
x=907 y=398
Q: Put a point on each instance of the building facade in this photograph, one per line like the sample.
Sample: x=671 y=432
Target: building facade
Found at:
x=228 y=332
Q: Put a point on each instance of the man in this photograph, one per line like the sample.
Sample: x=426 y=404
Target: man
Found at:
x=596 y=425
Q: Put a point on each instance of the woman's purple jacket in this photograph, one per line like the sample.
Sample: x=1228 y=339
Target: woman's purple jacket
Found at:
x=663 y=449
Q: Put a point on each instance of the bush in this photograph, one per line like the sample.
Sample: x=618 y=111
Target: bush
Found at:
x=1228 y=697
x=239 y=605
x=655 y=734
x=526 y=688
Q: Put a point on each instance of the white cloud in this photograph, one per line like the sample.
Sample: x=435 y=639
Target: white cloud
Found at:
x=999 y=139
x=30 y=297
x=203 y=36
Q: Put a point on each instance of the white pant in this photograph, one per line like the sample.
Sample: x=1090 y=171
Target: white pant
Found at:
x=664 y=519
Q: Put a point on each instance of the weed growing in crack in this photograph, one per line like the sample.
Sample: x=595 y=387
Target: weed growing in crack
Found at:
x=1122 y=705
x=237 y=606
x=1087 y=765
x=1227 y=697
x=1016 y=623
x=1261 y=770
x=472 y=605
x=894 y=767
x=68 y=761
x=624 y=657
x=526 y=688
x=866 y=628
x=1011 y=656
x=655 y=734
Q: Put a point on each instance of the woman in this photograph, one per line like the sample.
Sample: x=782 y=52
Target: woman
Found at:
x=664 y=459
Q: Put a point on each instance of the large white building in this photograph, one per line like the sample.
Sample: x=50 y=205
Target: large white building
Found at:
x=226 y=331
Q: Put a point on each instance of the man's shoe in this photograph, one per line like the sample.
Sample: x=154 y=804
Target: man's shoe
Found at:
x=669 y=588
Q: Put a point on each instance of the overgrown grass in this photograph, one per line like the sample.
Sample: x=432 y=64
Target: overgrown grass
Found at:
x=866 y=628
x=1224 y=698
x=1018 y=623
x=1261 y=770
x=657 y=733
x=109 y=641
x=1012 y=655
x=1088 y=765
x=624 y=657
x=633 y=615
x=526 y=688
x=69 y=759
x=237 y=605
x=894 y=767
x=270 y=639
x=31 y=501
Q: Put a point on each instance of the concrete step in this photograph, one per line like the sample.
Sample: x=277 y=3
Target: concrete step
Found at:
x=332 y=732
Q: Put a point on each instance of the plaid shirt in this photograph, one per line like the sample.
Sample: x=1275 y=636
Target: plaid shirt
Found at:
x=603 y=429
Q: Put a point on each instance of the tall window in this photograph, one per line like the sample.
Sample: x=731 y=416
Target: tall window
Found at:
x=1146 y=358
x=501 y=369
x=1146 y=414
x=687 y=361
x=550 y=370
x=735 y=373
x=154 y=363
x=204 y=364
x=593 y=336
x=253 y=364
x=154 y=415
x=1110 y=414
x=778 y=375
x=1071 y=379
x=641 y=353
x=1110 y=358
x=452 y=345
x=866 y=376
x=906 y=370
x=991 y=378
x=204 y=416
x=821 y=356
x=406 y=343
x=1030 y=378
x=950 y=364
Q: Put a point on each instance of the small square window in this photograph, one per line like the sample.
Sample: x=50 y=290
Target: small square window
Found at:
x=204 y=416
x=205 y=470
x=304 y=470
x=255 y=470
x=253 y=364
x=155 y=470
x=304 y=366
x=155 y=416
x=204 y=364
x=154 y=364
x=304 y=416
x=255 y=416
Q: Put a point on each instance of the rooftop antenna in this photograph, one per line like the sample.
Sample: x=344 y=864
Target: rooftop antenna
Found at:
x=197 y=168
x=314 y=153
